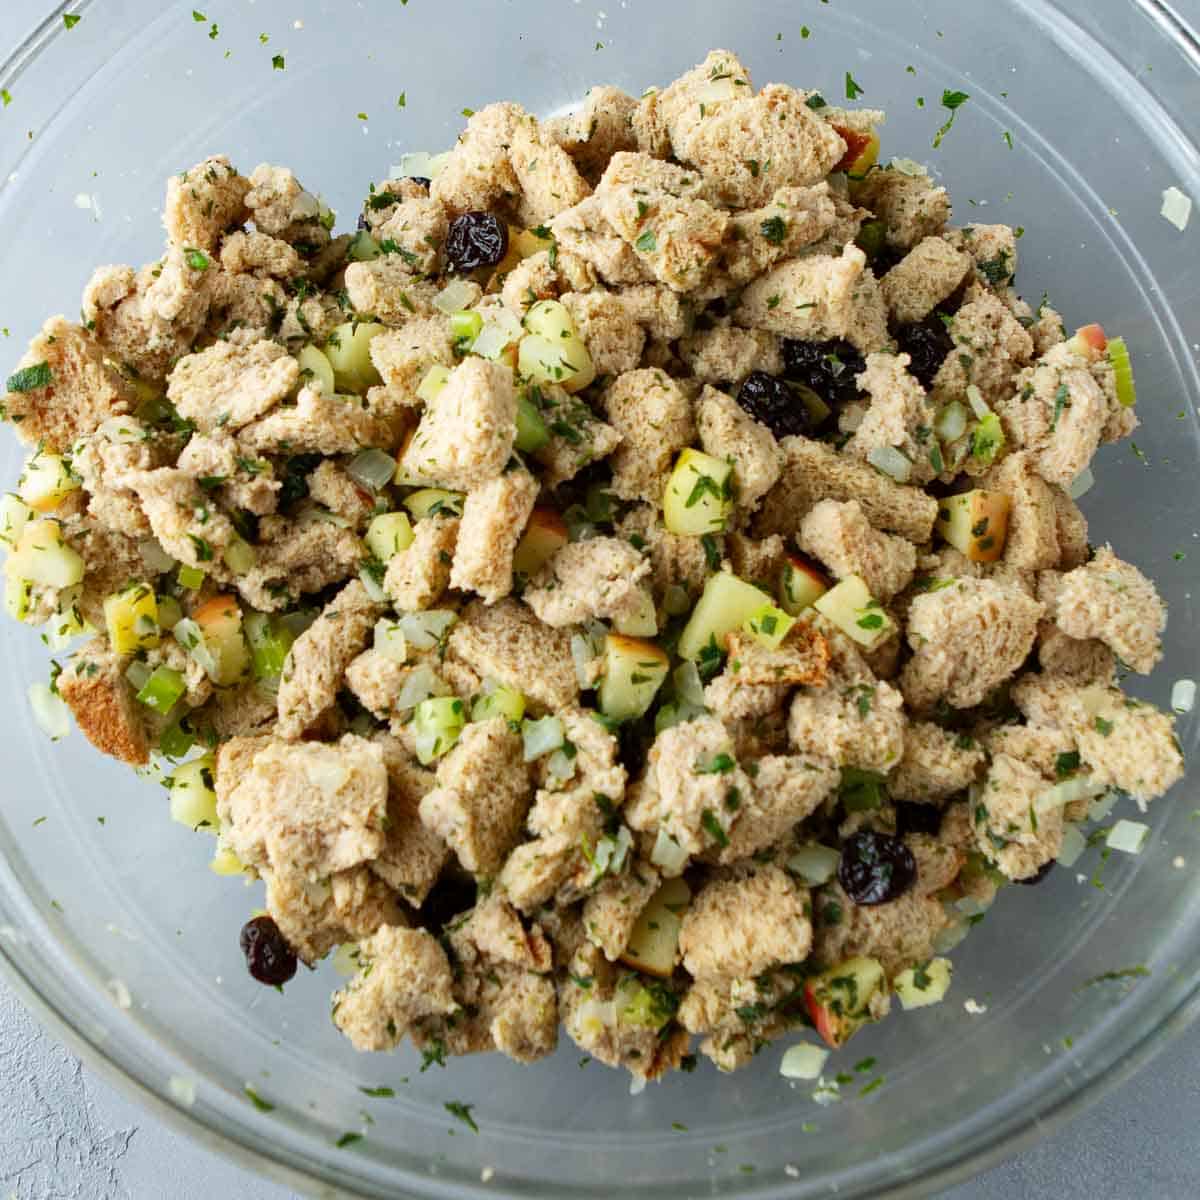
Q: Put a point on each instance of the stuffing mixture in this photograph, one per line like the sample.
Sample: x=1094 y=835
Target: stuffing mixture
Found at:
x=630 y=585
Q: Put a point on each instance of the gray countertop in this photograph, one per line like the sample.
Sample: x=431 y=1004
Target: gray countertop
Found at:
x=65 y=1133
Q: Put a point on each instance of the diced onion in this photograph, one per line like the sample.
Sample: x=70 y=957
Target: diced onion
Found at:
x=814 y=864
x=542 y=737
x=851 y=417
x=561 y=765
x=1102 y=806
x=420 y=684
x=137 y=673
x=1082 y=787
x=424 y=630
x=668 y=854
x=1128 y=836
x=970 y=906
x=1176 y=207
x=50 y=712
x=717 y=90
x=124 y=430
x=1183 y=695
x=374 y=469
x=1073 y=846
x=977 y=402
x=584 y=657
x=191 y=637
x=688 y=686
x=390 y=641
x=804 y=1061
x=594 y=1016
x=157 y=560
x=500 y=329
x=345 y=960
x=952 y=422
x=419 y=165
x=891 y=462
x=456 y=295
x=909 y=166
x=372 y=586
x=1082 y=484
x=950 y=936
x=314 y=514
x=240 y=556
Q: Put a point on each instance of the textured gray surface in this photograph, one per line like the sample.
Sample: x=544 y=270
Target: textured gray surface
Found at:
x=65 y=1133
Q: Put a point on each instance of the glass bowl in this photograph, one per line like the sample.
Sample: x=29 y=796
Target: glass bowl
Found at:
x=110 y=923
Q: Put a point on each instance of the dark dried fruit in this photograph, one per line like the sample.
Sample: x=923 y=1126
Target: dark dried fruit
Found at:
x=927 y=343
x=268 y=956
x=476 y=239
x=828 y=368
x=1038 y=876
x=771 y=401
x=420 y=179
x=912 y=817
x=876 y=868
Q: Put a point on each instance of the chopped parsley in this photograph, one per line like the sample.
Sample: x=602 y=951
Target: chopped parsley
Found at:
x=953 y=101
x=348 y=1139
x=1138 y=972
x=29 y=379
x=853 y=91
x=1103 y=727
x=402 y=102
x=1062 y=399
x=277 y=62
x=262 y=1105
x=774 y=229
x=196 y=259
x=456 y=1108
x=70 y=20
x=381 y=1093
x=434 y=1053
x=713 y=828
x=816 y=101
x=647 y=243
x=705 y=484
x=719 y=764
x=712 y=556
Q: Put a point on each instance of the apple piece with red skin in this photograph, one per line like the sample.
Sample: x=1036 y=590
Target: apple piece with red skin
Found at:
x=1090 y=341
x=862 y=149
x=844 y=998
x=801 y=584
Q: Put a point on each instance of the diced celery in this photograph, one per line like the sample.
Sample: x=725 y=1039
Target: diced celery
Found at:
x=270 y=642
x=466 y=325
x=175 y=741
x=532 y=433
x=437 y=724
x=1118 y=355
x=499 y=701
x=169 y=612
x=162 y=690
x=363 y=247
x=191 y=578
x=432 y=383
x=240 y=556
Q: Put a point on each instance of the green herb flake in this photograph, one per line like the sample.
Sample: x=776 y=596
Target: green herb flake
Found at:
x=719 y=764
x=1066 y=764
x=1008 y=139
x=713 y=828
x=456 y=1108
x=1103 y=727
x=348 y=1139
x=679 y=1127
x=379 y=1093
x=197 y=260
x=5 y=97
x=712 y=556
x=278 y=62
x=647 y=243
x=262 y=1105
x=870 y=621
x=70 y=20
x=816 y=101
x=1138 y=972
x=953 y=101
x=29 y=379
x=1062 y=400
x=402 y=102
x=774 y=229
x=805 y=32
x=853 y=91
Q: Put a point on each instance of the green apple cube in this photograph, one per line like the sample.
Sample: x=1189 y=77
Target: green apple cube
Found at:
x=348 y=349
x=921 y=986
x=46 y=482
x=191 y=578
x=18 y=598
x=643 y=623
x=699 y=494
x=726 y=604
x=43 y=557
x=551 y=320
x=852 y=608
x=563 y=361
x=975 y=523
x=317 y=368
x=15 y=514
x=437 y=724
x=389 y=534
x=770 y=625
x=633 y=672
x=193 y=798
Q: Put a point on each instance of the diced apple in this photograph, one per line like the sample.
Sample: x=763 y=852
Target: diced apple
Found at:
x=643 y=623
x=15 y=514
x=862 y=149
x=699 y=494
x=432 y=502
x=219 y=622
x=193 y=800
x=770 y=625
x=551 y=320
x=496 y=700
x=919 y=987
x=564 y=361
x=43 y=557
x=225 y=862
x=653 y=946
x=527 y=243
x=389 y=534
x=1089 y=340
x=852 y=608
x=801 y=585
x=512 y=259
x=633 y=672
x=131 y=617
x=318 y=367
x=839 y=1000
x=500 y=333
x=544 y=536
x=46 y=482
x=18 y=598
x=726 y=603
x=349 y=352
x=1118 y=355
x=975 y=523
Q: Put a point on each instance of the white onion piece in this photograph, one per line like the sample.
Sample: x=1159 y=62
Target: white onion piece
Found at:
x=717 y=90
x=668 y=854
x=891 y=462
x=814 y=864
x=1082 y=484
x=1176 y=207
x=583 y=657
x=1128 y=836
x=420 y=684
x=1102 y=806
x=1073 y=846
x=457 y=295
x=419 y=165
x=1082 y=787
x=1183 y=695
x=137 y=673
x=977 y=402
x=804 y=1061
x=50 y=712
x=688 y=686
x=372 y=586
x=909 y=166
x=561 y=766
x=374 y=469
x=157 y=560
x=542 y=737
x=423 y=630
x=952 y=422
